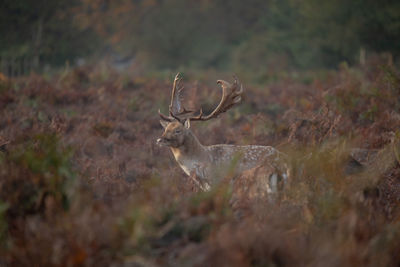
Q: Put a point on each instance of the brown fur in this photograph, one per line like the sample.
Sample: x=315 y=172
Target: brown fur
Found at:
x=211 y=163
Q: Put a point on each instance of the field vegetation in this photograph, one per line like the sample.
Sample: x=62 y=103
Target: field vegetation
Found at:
x=82 y=182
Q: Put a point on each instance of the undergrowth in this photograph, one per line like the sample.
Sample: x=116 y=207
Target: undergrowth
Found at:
x=83 y=183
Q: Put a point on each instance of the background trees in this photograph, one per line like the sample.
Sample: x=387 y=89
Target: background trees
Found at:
x=226 y=35
x=42 y=30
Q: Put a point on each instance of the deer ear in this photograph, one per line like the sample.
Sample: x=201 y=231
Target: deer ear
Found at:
x=187 y=123
x=164 y=124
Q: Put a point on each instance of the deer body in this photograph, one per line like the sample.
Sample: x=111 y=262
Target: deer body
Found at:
x=208 y=160
x=217 y=159
x=206 y=164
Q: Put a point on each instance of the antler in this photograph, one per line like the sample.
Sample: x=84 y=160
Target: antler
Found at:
x=231 y=95
x=176 y=107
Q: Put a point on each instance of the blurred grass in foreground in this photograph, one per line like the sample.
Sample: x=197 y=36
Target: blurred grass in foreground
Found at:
x=82 y=182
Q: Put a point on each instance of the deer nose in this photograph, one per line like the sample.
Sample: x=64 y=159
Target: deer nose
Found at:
x=162 y=141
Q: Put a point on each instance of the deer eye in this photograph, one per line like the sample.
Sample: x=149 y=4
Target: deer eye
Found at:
x=178 y=131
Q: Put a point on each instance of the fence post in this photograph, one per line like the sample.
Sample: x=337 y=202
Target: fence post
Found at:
x=1 y=65
x=12 y=66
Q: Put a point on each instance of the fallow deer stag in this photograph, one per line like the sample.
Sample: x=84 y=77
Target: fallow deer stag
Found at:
x=206 y=164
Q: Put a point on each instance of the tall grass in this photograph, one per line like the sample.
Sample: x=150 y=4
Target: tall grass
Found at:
x=82 y=182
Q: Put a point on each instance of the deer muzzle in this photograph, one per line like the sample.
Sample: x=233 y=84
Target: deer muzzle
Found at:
x=163 y=141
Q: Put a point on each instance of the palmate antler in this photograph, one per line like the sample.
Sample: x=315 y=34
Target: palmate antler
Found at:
x=231 y=95
x=176 y=107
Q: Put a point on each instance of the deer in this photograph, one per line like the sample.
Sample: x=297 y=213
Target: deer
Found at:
x=205 y=165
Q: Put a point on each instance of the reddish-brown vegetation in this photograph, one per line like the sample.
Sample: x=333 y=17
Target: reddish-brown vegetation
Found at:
x=83 y=183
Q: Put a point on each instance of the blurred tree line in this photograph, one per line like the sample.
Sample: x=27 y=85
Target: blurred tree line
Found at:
x=249 y=35
x=43 y=30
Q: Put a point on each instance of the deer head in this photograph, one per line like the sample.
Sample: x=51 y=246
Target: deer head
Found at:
x=174 y=134
x=177 y=124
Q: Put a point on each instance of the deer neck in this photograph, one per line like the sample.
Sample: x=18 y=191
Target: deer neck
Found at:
x=190 y=149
